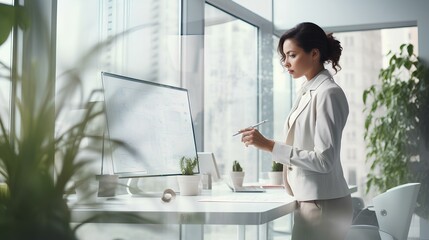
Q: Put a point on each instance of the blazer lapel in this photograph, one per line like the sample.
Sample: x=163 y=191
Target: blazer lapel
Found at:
x=303 y=102
x=305 y=99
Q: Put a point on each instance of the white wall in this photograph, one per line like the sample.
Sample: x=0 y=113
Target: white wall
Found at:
x=343 y=15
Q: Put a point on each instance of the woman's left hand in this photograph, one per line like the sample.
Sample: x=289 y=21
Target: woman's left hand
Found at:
x=251 y=136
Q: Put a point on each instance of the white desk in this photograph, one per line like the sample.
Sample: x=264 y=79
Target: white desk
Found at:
x=191 y=212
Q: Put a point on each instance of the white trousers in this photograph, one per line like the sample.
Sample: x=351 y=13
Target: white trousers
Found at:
x=323 y=219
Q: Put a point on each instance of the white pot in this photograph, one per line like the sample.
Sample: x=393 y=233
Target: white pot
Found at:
x=188 y=184
x=276 y=178
x=237 y=178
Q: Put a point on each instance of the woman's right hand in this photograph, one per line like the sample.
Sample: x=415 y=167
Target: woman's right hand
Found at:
x=251 y=136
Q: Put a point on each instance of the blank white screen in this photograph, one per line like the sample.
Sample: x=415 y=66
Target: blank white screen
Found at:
x=154 y=120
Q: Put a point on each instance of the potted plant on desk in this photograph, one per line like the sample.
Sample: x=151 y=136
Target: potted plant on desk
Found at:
x=237 y=174
x=188 y=181
x=276 y=174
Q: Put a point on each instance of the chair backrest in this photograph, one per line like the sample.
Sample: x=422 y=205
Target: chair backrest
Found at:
x=394 y=209
x=357 y=204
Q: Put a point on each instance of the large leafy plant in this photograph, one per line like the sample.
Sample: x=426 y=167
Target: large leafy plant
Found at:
x=35 y=205
x=397 y=125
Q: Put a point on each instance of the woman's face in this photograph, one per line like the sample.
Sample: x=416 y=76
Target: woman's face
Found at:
x=298 y=62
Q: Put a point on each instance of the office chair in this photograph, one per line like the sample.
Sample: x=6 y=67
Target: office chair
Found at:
x=358 y=205
x=363 y=215
x=394 y=209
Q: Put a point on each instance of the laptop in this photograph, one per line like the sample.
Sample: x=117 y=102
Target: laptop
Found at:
x=245 y=188
x=207 y=164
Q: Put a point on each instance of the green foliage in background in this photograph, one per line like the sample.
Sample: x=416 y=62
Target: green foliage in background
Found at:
x=9 y=15
x=36 y=163
x=187 y=165
x=35 y=205
x=236 y=167
x=396 y=126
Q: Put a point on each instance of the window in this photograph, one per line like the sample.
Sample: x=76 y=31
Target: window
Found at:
x=230 y=88
x=5 y=84
x=262 y=8
x=283 y=93
x=361 y=72
x=146 y=44
x=149 y=49
x=75 y=38
x=352 y=177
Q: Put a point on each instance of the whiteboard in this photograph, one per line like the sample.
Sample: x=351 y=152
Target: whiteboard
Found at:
x=153 y=120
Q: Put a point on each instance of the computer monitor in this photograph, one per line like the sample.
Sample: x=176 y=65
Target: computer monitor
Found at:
x=153 y=120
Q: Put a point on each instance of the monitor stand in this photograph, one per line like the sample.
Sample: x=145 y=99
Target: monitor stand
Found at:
x=134 y=190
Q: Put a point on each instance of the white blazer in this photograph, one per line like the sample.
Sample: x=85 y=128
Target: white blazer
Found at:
x=311 y=153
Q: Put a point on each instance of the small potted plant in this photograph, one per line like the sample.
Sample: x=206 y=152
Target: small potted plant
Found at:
x=237 y=174
x=276 y=174
x=188 y=182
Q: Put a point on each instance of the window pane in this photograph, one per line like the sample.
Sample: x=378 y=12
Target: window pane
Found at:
x=5 y=84
x=145 y=46
x=76 y=36
x=361 y=64
x=151 y=52
x=146 y=43
x=230 y=89
x=283 y=93
x=263 y=8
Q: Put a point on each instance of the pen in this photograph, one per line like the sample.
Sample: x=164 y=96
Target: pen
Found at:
x=253 y=126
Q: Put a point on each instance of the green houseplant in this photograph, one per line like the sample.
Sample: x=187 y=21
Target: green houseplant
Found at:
x=188 y=181
x=237 y=174
x=187 y=165
x=276 y=174
x=37 y=163
x=276 y=167
x=236 y=167
x=396 y=126
x=35 y=205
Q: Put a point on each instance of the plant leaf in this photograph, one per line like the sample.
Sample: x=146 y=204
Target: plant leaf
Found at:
x=7 y=16
x=410 y=49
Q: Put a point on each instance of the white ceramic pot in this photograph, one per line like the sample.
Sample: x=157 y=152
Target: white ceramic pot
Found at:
x=189 y=184
x=237 y=178
x=276 y=178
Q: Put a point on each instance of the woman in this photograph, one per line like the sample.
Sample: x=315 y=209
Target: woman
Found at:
x=311 y=148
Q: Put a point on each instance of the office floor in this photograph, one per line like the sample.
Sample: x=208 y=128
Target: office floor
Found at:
x=414 y=233
x=104 y=231
x=279 y=230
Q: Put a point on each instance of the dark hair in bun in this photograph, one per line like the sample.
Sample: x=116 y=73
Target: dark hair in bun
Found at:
x=310 y=36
